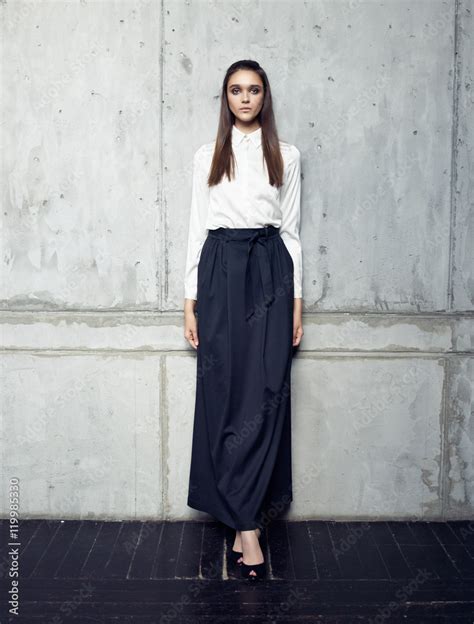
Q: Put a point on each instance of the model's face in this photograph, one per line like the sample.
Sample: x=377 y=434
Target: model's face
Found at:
x=245 y=91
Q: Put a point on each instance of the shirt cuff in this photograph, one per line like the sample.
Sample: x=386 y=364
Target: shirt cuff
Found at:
x=190 y=293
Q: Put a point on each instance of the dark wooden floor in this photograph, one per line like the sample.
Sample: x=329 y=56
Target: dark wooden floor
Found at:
x=337 y=572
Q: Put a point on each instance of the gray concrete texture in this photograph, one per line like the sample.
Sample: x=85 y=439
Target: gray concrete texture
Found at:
x=103 y=104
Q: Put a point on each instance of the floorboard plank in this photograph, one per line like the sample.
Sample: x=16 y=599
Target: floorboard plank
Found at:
x=319 y=571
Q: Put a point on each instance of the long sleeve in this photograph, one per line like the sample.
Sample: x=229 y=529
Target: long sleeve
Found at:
x=290 y=204
x=197 y=224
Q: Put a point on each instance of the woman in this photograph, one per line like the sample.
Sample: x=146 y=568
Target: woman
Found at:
x=243 y=278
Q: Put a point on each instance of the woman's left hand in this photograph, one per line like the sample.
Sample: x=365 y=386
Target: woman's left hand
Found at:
x=297 y=321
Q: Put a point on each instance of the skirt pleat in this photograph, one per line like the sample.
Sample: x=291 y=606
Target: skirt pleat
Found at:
x=240 y=470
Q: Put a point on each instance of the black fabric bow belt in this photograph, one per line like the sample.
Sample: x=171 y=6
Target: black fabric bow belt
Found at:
x=258 y=237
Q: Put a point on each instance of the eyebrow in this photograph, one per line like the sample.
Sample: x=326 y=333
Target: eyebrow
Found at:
x=238 y=85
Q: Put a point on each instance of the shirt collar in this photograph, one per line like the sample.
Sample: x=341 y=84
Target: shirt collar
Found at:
x=238 y=136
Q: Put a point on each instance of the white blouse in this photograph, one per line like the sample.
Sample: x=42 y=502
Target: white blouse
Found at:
x=247 y=201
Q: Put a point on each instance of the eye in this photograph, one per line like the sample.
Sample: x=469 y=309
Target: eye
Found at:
x=254 y=90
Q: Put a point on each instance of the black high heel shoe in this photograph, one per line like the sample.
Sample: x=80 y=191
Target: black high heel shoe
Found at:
x=260 y=570
x=235 y=555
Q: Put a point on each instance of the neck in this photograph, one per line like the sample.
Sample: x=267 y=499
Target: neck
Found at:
x=246 y=127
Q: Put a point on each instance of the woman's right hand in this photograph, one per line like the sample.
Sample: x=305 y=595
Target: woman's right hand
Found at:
x=190 y=323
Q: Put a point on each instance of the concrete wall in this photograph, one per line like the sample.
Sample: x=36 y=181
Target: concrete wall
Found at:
x=104 y=103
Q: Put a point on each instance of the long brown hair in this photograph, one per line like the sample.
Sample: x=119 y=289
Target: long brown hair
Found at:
x=223 y=161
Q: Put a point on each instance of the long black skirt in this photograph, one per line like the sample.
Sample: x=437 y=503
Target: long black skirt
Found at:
x=240 y=469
